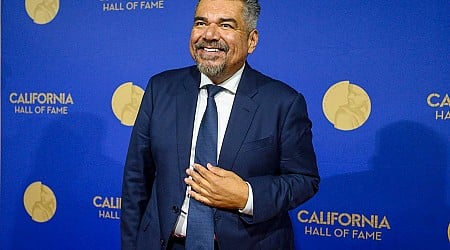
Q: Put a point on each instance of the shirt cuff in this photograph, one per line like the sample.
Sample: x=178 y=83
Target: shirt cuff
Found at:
x=248 y=209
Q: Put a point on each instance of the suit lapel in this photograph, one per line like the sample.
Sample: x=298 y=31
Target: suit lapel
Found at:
x=186 y=102
x=241 y=117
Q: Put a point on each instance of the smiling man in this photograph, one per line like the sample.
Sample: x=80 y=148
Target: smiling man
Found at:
x=219 y=152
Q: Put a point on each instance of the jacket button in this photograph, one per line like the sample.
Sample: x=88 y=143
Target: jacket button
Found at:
x=163 y=243
x=175 y=209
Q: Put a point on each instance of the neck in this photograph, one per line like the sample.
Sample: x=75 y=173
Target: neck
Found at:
x=222 y=77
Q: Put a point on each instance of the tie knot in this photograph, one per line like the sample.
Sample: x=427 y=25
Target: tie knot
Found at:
x=213 y=90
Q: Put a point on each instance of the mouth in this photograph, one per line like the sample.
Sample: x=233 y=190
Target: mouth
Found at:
x=210 y=53
x=212 y=47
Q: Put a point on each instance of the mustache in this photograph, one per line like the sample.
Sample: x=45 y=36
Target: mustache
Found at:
x=216 y=44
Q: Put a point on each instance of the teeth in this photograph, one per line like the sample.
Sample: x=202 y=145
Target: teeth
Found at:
x=211 y=50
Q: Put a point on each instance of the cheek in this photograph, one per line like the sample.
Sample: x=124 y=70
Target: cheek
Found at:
x=236 y=45
x=195 y=36
x=240 y=49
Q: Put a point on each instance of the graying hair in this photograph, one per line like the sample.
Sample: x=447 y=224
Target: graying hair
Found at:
x=251 y=12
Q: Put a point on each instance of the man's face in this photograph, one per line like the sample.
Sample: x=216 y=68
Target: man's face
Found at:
x=220 y=41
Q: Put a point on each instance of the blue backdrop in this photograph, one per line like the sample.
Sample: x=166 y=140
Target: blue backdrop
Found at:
x=385 y=183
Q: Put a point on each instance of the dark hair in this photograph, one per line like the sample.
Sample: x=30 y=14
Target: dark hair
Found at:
x=251 y=12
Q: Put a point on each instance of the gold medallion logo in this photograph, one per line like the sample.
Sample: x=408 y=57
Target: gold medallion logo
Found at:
x=126 y=101
x=347 y=106
x=448 y=231
x=39 y=201
x=42 y=11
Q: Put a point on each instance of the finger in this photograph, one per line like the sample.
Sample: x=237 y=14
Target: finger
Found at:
x=194 y=175
x=189 y=181
x=199 y=197
x=197 y=182
x=204 y=172
x=216 y=170
x=194 y=186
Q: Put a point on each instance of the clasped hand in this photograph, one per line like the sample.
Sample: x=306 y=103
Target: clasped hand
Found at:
x=217 y=187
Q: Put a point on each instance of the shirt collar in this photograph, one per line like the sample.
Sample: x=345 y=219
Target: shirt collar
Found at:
x=231 y=84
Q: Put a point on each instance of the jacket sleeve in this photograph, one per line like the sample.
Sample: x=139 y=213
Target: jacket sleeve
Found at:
x=139 y=174
x=298 y=180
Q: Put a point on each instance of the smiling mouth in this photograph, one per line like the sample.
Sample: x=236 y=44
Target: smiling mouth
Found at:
x=211 y=50
x=210 y=53
x=211 y=47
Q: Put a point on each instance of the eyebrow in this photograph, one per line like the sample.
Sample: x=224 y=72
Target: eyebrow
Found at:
x=221 y=20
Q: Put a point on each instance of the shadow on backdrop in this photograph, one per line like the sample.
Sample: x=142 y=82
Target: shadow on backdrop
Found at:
x=69 y=159
x=406 y=183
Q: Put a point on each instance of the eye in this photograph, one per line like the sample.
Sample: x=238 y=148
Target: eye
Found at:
x=199 y=23
x=226 y=26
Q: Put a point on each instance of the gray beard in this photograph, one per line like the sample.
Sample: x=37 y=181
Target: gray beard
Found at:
x=210 y=70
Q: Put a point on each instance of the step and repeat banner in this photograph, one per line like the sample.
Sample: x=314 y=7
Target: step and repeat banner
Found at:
x=375 y=75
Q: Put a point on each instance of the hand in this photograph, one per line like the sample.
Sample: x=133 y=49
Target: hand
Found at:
x=217 y=187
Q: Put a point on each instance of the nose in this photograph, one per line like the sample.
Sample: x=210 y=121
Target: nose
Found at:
x=211 y=32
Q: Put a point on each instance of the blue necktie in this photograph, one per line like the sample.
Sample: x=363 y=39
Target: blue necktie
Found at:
x=200 y=224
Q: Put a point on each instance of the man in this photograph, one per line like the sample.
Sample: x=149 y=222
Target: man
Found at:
x=266 y=162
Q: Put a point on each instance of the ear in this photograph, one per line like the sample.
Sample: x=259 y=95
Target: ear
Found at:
x=252 y=40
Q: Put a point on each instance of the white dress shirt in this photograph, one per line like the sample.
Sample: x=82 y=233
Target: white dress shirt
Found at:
x=224 y=102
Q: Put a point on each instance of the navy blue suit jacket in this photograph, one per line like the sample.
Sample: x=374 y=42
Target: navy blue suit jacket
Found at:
x=267 y=143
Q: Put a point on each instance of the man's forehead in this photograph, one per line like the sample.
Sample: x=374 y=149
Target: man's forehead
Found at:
x=217 y=5
x=221 y=1
x=220 y=9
